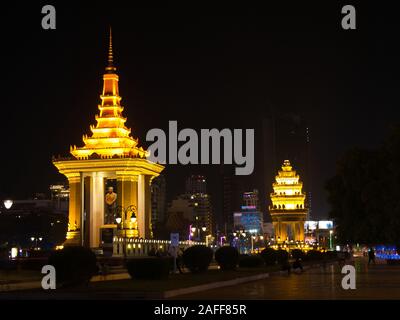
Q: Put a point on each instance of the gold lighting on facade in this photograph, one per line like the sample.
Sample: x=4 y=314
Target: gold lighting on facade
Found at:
x=288 y=211
x=110 y=137
x=109 y=152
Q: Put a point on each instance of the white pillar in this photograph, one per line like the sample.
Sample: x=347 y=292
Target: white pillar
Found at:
x=96 y=207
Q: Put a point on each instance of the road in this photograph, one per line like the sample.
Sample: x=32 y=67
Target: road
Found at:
x=378 y=281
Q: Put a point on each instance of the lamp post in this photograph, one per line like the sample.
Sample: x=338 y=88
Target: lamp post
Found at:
x=8 y=204
x=330 y=239
x=252 y=243
x=122 y=214
x=193 y=230
x=36 y=239
x=202 y=229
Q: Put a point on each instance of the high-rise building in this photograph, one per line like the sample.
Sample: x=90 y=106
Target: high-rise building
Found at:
x=158 y=199
x=250 y=199
x=180 y=216
x=249 y=219
x=60 y=197
x=196 y=184
x=232 y=198
x=286 y=135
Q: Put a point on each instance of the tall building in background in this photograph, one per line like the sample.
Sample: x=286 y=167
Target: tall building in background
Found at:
x=158 y=199
x=250 y=199
x=288 y=209
x=286 y=135
x=249 y=218
x=180 y=215
x=192 y=209
x=196 y=184
x=233 y=187
x=60 y=197
x=196 y=192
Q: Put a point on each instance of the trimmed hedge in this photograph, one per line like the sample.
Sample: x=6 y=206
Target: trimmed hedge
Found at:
x=331 y=255
x=74 y=265
x=253 y=261
x=269 y=256
x=314 y=255
x=227 y=258
x=149 y=267
x=297 y=254
x=197 y=258
x=282 y=257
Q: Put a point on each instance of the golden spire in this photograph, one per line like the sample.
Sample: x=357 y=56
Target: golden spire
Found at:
x=110 y=67
x=110 y=137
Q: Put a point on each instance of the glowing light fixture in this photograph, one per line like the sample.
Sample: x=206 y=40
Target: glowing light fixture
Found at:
x=8 y=204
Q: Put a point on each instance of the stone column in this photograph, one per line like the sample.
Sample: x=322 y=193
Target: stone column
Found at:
x=127 y=195
x=96 y=219
x=283 y=231
x=144 y=206
x=74 y=215
x=301 y=231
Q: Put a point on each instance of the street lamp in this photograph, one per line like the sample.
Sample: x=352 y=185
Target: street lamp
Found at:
x=122 y=214
x=330 y=239
x=36 y=241
x=252 y=243
x=8 y=204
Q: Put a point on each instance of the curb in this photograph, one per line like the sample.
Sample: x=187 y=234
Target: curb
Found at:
x=20 y=286
x=213 y=285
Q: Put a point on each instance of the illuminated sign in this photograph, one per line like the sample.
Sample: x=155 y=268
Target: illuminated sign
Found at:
x=311 y=225
x=325 y=224
x=322 y=225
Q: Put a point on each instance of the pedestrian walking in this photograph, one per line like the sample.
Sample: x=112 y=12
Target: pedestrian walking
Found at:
x=371 y=256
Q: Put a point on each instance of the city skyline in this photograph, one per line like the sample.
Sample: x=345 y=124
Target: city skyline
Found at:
x=223 y=66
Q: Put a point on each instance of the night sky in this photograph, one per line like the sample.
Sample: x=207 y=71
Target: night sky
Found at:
x=202 y=66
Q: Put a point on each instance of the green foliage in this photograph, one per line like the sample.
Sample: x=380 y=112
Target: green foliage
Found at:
x=364 y=194
x=314 y=255
x=74 y=265
x=149 y=267
x=297 y=254
x=197 y=258
x=282 y=257
x=331 y=255
x=227 y=257
x=269 y=256
x=252 y=261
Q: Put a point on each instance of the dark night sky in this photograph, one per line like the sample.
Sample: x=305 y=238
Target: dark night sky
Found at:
x=203 y=66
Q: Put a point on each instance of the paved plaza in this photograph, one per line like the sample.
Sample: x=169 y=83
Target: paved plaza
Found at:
x=378 y=281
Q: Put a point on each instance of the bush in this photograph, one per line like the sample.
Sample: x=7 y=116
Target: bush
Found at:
x=227 y=257
x=74 y=265
x=269 y=256
x=314 y=255
x=297 y=254
x=197 y=258
x=282 y=257
x=149 y=267
x=331 y=255
x=251 y=261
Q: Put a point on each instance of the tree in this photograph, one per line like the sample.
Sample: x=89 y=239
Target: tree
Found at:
x=364 y=194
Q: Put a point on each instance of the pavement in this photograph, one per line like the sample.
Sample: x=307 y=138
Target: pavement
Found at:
x=375 y=281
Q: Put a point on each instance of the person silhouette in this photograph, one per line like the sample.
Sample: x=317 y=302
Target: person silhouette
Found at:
x=371 y=256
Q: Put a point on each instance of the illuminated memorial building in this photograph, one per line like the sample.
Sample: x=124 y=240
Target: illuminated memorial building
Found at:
x=288 y=211
x=110 y=157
